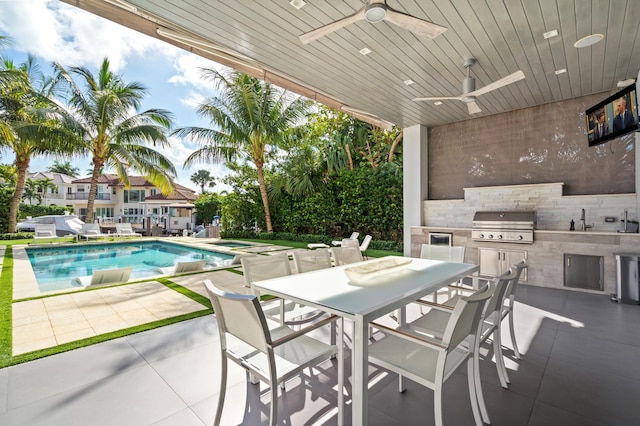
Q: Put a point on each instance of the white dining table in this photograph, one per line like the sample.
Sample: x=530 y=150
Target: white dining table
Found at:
x=331 y=290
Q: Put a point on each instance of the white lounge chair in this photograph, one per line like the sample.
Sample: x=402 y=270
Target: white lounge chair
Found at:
x=92 y=230
x=45 y=231
x=184 y=267
x=354 y=236
x=106 y=276
x=125 y=230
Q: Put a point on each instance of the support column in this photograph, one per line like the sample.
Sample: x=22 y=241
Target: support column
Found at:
x=415 y=180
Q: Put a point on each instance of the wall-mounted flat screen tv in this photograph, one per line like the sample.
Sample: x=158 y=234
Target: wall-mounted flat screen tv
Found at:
x=613 y=117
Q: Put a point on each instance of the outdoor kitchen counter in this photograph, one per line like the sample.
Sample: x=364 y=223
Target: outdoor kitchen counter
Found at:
x=546 y=254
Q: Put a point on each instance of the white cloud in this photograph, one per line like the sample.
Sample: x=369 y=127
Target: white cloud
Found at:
x=55 y=31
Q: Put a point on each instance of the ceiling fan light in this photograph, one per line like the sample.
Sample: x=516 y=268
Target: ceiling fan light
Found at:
x=375 y=12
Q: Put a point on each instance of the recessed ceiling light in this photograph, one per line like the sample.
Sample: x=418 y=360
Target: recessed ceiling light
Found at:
x=562 y=71
x=408 y=82
x=587 y=41
x=437 y=103
x=549 y=34
x=627 y=82
x=365 y=51
x=298 y=4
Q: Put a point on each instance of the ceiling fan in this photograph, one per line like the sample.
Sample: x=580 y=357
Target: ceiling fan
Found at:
x=375 y=11
x=469 y=92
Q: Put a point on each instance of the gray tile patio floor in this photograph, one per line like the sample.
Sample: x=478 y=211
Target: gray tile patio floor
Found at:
x=580 y=367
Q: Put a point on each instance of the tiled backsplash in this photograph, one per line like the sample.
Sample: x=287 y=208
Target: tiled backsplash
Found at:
x=554 y=211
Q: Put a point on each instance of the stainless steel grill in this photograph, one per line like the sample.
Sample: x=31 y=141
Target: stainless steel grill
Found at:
x=515 y=226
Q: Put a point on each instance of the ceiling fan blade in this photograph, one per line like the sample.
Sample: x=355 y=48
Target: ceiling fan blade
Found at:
x=439 y=98
x=512 y=78
x=473 y=108
x=415 y=25
x=334 y=26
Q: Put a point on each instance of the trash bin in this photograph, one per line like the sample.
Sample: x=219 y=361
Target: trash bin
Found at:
x=628 y=280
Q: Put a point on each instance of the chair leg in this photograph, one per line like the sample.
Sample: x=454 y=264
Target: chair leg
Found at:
x=513 y=333
x=273 y=415
x=473 y=398
x=437 y=403
x=223 y=391
x=478 y=383
x=497 y=352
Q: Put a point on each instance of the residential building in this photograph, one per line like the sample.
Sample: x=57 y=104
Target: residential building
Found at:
x=116 y=203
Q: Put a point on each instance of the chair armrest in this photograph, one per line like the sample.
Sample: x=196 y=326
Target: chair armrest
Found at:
x=305 y=320
x=303 y=331
x=434 y=305
x=410 y=336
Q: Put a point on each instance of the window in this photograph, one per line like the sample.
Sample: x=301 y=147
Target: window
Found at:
x=133 y=195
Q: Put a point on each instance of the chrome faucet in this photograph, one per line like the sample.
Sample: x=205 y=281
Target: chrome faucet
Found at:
x=583 y=222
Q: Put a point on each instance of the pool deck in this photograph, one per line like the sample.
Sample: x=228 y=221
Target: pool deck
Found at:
x=49 y=319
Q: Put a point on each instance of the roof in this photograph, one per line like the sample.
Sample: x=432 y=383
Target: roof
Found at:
x=262 y=39
x=135 y=181
x=57 y=178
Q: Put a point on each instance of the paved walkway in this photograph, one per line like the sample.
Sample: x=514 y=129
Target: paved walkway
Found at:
x=50 y=321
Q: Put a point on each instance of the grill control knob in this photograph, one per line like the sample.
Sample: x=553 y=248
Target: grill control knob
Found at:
x=500 y=236
x=520 y=237
x=490 y=236
x=481 y=235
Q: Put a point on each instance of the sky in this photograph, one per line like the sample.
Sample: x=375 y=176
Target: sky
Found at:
x=53 y=31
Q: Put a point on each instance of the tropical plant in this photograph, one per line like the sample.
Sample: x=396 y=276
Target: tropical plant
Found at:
x=106 y=123
x=203 y=178
x=24 y=112
x=207 y=206
x=251 y=116
x=65 y=168
x=31 y=191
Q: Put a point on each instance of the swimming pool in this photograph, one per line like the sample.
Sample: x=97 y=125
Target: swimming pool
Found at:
x=233 y=244
x=56 y=268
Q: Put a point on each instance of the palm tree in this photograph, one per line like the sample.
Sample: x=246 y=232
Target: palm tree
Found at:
x=65 y=168
x=24 y=107
x=252 y=116
x=31 y=191
x=109 y=127
x=203 y=178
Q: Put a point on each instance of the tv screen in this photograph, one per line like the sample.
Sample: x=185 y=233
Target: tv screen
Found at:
x=613 y=117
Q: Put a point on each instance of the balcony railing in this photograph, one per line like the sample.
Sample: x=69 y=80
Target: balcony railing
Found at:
x=85 y=196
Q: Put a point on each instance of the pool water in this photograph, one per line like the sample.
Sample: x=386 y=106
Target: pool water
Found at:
x=57 y=268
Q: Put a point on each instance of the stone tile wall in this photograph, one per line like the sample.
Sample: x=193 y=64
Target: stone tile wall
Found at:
x=554 y=210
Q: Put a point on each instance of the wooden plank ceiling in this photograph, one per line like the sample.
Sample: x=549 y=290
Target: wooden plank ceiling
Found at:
x=503 y=35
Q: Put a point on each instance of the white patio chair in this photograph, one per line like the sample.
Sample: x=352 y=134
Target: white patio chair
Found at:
x=273 y=356
x=45 y=231
x=346 y=255
x=307 y=261
x=354 y=236
x=258 y=268
x=507 y=308
x=92 y=231
x=510 y=300
x=106 y=276
x=431 y=362
x=365 y=245
x=441 y=252
x=125 y=230
x=434 y=323
x=445 y=254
